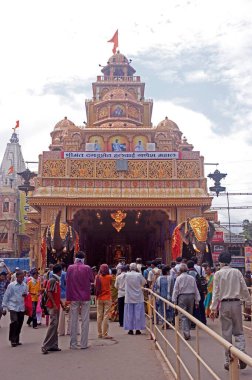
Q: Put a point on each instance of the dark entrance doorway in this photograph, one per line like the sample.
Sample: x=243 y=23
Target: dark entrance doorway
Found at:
x=146 y=234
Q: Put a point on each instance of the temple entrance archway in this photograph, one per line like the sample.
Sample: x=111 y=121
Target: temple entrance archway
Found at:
x=146 y=234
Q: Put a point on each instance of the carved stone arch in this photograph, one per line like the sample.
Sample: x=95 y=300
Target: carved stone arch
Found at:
x=76 y=135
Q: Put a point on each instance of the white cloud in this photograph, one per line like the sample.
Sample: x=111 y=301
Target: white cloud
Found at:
x=197 y=76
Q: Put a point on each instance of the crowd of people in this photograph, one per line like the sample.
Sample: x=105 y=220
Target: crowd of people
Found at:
x=202 y=291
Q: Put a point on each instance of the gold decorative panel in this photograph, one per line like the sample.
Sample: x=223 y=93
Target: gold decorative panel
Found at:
x=54 y=168
x=137 y=169
x=133 y=113
x=160 y=169
x=106 y=169
x=188 y=169
x=102 y=113
x=82 y=168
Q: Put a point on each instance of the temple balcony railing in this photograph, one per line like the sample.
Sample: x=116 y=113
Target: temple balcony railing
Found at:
x=101 y=78
x=99 y=99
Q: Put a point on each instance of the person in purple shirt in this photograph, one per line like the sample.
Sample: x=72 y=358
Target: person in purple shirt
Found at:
x=78 y=286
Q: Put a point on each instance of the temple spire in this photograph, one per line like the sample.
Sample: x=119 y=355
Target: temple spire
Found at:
x=12 y=162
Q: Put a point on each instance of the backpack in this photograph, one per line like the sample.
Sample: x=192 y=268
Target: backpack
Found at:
x=44 y=299
x=201 y=283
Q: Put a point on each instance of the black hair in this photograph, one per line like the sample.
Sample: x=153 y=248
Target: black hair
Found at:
x=195 y=260
x=225 y=258
x=173 y=263
x=57 y=268
x=113 y=271
x=190 y=264
x=165 y=270
x=19 y=272
x=179 y=259
x=80 y=255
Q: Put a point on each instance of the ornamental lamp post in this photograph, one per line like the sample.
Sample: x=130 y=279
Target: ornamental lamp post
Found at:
x=27 y=175
x=217 y=176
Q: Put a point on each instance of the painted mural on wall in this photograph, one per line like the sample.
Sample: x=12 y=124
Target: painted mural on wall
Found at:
x=118 y=111
x=140 y=143
x=118 y=144
x=98 y=143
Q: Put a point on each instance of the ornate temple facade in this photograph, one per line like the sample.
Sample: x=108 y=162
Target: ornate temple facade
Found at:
x=118 y=164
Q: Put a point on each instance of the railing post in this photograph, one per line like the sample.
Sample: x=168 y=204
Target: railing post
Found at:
x=155 y=315
x=233 y=368
x=164 y=314
x=198 y=352
x=177 y=344
x=151 y=314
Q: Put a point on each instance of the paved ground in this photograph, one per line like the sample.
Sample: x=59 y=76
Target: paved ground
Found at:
x=126 y=357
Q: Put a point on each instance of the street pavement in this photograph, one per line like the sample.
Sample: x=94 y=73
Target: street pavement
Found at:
x=124 y=357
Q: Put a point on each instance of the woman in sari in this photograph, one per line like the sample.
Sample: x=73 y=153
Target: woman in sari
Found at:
x=114 y=314
x=208 y=298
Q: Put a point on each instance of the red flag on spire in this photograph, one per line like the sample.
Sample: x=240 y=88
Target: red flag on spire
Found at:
x=10 y=170
x=114 y=39
x=17 y=124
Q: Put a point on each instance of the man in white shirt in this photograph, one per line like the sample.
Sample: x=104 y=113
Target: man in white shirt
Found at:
x=134 y=314
x=14 y=301
x=185 y=293
x=120 y=285
x=139 y=264
x=198 y=268
x=229 y=288
x=178 y=263
x=153 y=274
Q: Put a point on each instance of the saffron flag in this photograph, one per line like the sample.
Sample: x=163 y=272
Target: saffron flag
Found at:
x=114 y=39
x=11 y=170
x=17 y=124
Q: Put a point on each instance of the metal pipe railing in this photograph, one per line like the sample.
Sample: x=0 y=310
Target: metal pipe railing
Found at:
x=166 y=346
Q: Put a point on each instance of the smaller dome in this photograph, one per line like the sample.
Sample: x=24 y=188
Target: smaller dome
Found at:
x=64 y=124
x=167 y=124
x=118 y=58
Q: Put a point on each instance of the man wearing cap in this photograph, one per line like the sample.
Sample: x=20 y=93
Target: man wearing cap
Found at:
x=229 y=288
x=13 y=301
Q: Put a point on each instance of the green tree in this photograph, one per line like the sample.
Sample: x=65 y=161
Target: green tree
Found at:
x=247 y=229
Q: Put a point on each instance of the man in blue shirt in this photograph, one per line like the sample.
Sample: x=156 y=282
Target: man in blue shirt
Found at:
x=13 y=301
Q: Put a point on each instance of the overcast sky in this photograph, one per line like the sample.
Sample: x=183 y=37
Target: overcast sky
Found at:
x=195 y=57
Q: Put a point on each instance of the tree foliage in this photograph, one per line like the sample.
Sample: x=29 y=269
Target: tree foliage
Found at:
x=247 y=229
